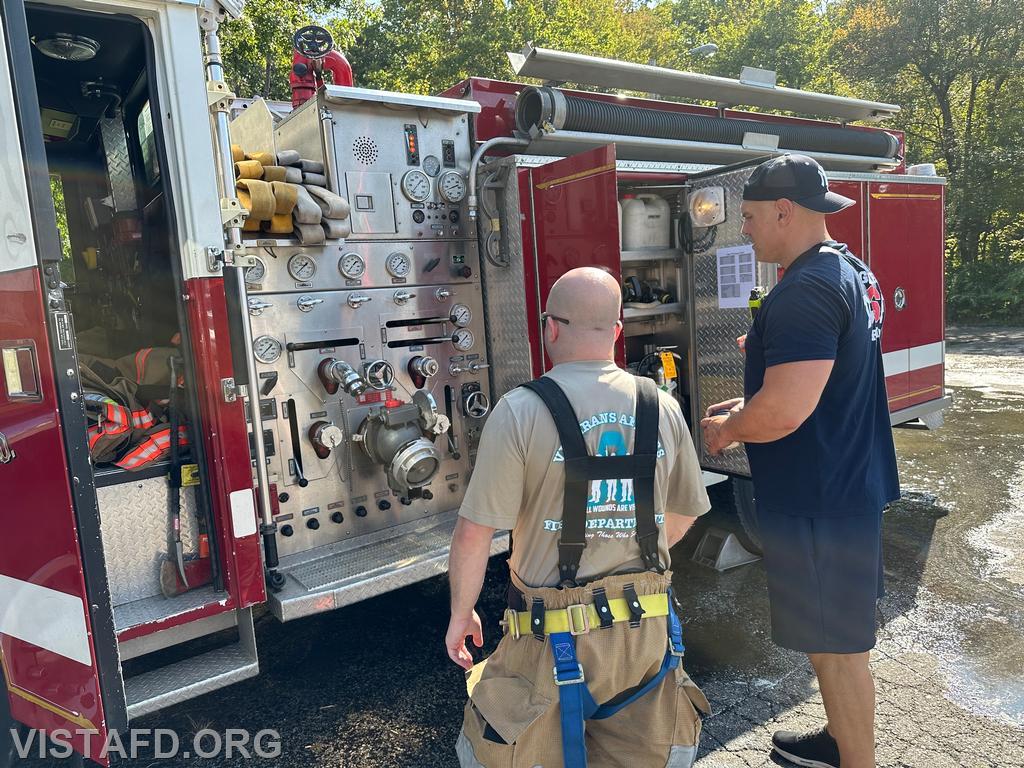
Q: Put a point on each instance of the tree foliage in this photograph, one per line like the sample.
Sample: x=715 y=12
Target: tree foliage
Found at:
x=955 y=66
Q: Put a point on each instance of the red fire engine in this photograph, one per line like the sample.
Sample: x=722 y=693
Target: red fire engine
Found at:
x=248 y=352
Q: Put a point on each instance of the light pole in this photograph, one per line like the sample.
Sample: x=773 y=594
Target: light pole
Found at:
x=705 y=51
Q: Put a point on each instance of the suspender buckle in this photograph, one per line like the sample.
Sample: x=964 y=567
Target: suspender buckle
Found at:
x=579 y=619
x=510 y=623
x=571 y=680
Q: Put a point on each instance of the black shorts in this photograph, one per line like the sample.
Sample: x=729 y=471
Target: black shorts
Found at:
x=824 y=580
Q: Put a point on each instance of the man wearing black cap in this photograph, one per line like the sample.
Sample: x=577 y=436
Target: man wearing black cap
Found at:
x=815 y=421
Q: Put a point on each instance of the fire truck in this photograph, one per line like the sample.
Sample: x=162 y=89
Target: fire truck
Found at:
x=248 y=348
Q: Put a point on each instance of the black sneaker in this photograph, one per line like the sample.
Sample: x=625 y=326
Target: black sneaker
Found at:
x=815 y=749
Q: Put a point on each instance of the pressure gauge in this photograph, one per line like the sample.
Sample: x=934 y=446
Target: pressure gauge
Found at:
x=301 y=267
x=254 y=275
x=452 y=186
x=352 y=266
x=431 y=165
x=461 y=315
x=463 y=339
x=267 y=349
x=416 y=185
x=398 y=265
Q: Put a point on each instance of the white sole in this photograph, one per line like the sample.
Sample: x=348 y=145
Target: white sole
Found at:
x=802 y=761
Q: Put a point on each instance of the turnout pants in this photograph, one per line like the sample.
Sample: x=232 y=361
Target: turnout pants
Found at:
x=512 y=718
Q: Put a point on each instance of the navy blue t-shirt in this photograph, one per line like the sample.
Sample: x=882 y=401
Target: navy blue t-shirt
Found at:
x=841 y=460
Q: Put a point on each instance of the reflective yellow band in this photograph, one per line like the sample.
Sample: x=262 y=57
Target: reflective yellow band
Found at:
x=580 y=619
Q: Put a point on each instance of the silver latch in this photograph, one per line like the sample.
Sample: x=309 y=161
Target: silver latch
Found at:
x=7 y=454
x=256 y=306
x=403 y=296
x=443 y=294
x=357 y=300
x=306 y=303
x=228 y=390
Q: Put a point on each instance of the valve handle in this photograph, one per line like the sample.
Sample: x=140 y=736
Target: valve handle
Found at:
x=313 y=42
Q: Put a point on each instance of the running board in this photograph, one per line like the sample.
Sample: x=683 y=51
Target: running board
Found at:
x=193 y=677
x=335 y=575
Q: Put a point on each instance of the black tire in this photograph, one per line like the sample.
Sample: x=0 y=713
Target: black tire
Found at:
x=743 y=498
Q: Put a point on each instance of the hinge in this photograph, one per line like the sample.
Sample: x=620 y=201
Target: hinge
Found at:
x=232 y=214
x=229 y=390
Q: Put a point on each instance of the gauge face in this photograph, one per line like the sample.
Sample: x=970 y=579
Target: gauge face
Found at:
x=416 y=186
x=452 y=186
x=431 y=165
x=463 y=339
x=267 y=349
x=352 y=266
x=461 y=315
x=301 y=267
x=254 y=275
x=398 y=265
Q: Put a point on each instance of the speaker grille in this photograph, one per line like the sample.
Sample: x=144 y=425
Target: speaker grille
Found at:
x=364 y=149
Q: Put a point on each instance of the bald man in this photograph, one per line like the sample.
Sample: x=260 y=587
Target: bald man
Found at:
x=816 y=426
x=589 y=593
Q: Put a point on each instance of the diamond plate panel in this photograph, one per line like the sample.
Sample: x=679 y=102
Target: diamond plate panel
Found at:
x=717 y=358
x=158 y=607
x=134 y=522
x=508 y=337
x=119 y=166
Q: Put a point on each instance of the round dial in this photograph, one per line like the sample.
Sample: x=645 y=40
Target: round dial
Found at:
x=352 y=266
x=431 y=165
x=398 y=265
x=301 y=267
x=461 y=315
x=463 y=339
x=452 y=186
x=254 y=275
x=416 y=186
x=267 y=349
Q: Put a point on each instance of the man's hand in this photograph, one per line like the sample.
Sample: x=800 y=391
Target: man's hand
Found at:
x=715 y=438
x=741 y=342
x=459 y=628
x=736 y=404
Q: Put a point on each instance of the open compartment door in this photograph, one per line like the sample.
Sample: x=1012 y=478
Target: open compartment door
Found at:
x=722 y=270
x=57 y=643
x=576 y=224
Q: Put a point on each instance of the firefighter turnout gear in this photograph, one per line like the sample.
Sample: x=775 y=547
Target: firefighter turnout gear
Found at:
x=589 y=675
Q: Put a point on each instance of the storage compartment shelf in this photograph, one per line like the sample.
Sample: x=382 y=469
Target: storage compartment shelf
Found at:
x=673 y=308
x=651 y=254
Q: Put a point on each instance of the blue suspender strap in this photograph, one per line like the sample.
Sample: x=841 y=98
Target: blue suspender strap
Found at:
x=575 y=700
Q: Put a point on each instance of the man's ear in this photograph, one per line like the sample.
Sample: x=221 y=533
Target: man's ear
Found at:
x=618 y=329
x=784 y=211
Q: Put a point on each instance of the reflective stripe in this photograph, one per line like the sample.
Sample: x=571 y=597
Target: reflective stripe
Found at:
x=45 y=617
x=140 y=363
x=914 y=358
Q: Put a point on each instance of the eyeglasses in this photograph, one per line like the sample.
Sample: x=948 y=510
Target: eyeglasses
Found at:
x=544 y=318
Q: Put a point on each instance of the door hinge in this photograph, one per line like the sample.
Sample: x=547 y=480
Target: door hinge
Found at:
x=229 y=390
x=7 y=454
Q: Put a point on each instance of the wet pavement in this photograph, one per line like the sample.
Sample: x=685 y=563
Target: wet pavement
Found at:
x=371 y=687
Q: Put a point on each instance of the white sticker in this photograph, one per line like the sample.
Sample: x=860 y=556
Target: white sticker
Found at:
x=737 y=268
x=243 y=513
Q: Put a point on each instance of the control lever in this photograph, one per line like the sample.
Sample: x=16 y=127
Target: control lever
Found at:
x=293 y=419
x=449 y=410
x=306 y=303
x=357 y=300
x=454 y=369
x=401 y=297
x=443 y=294
x=256 y=306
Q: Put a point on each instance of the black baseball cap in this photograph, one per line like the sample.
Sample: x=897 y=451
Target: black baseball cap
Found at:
x=794 y=177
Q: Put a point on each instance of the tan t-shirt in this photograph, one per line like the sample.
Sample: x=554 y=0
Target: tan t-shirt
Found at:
x=519 y=479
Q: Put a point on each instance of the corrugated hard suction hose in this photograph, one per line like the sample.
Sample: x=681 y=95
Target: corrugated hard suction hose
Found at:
x=537 y=106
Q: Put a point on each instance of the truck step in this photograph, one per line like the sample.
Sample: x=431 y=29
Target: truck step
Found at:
x=188 y=679
x=339 y=574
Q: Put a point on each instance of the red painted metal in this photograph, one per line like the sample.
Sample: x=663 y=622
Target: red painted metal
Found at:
x=848 y=226
x=226 y=437
x=305 y=85
x=576 y=221
x=46 y=690
x=223 y=605
x=906 y=247
x=497 y=117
